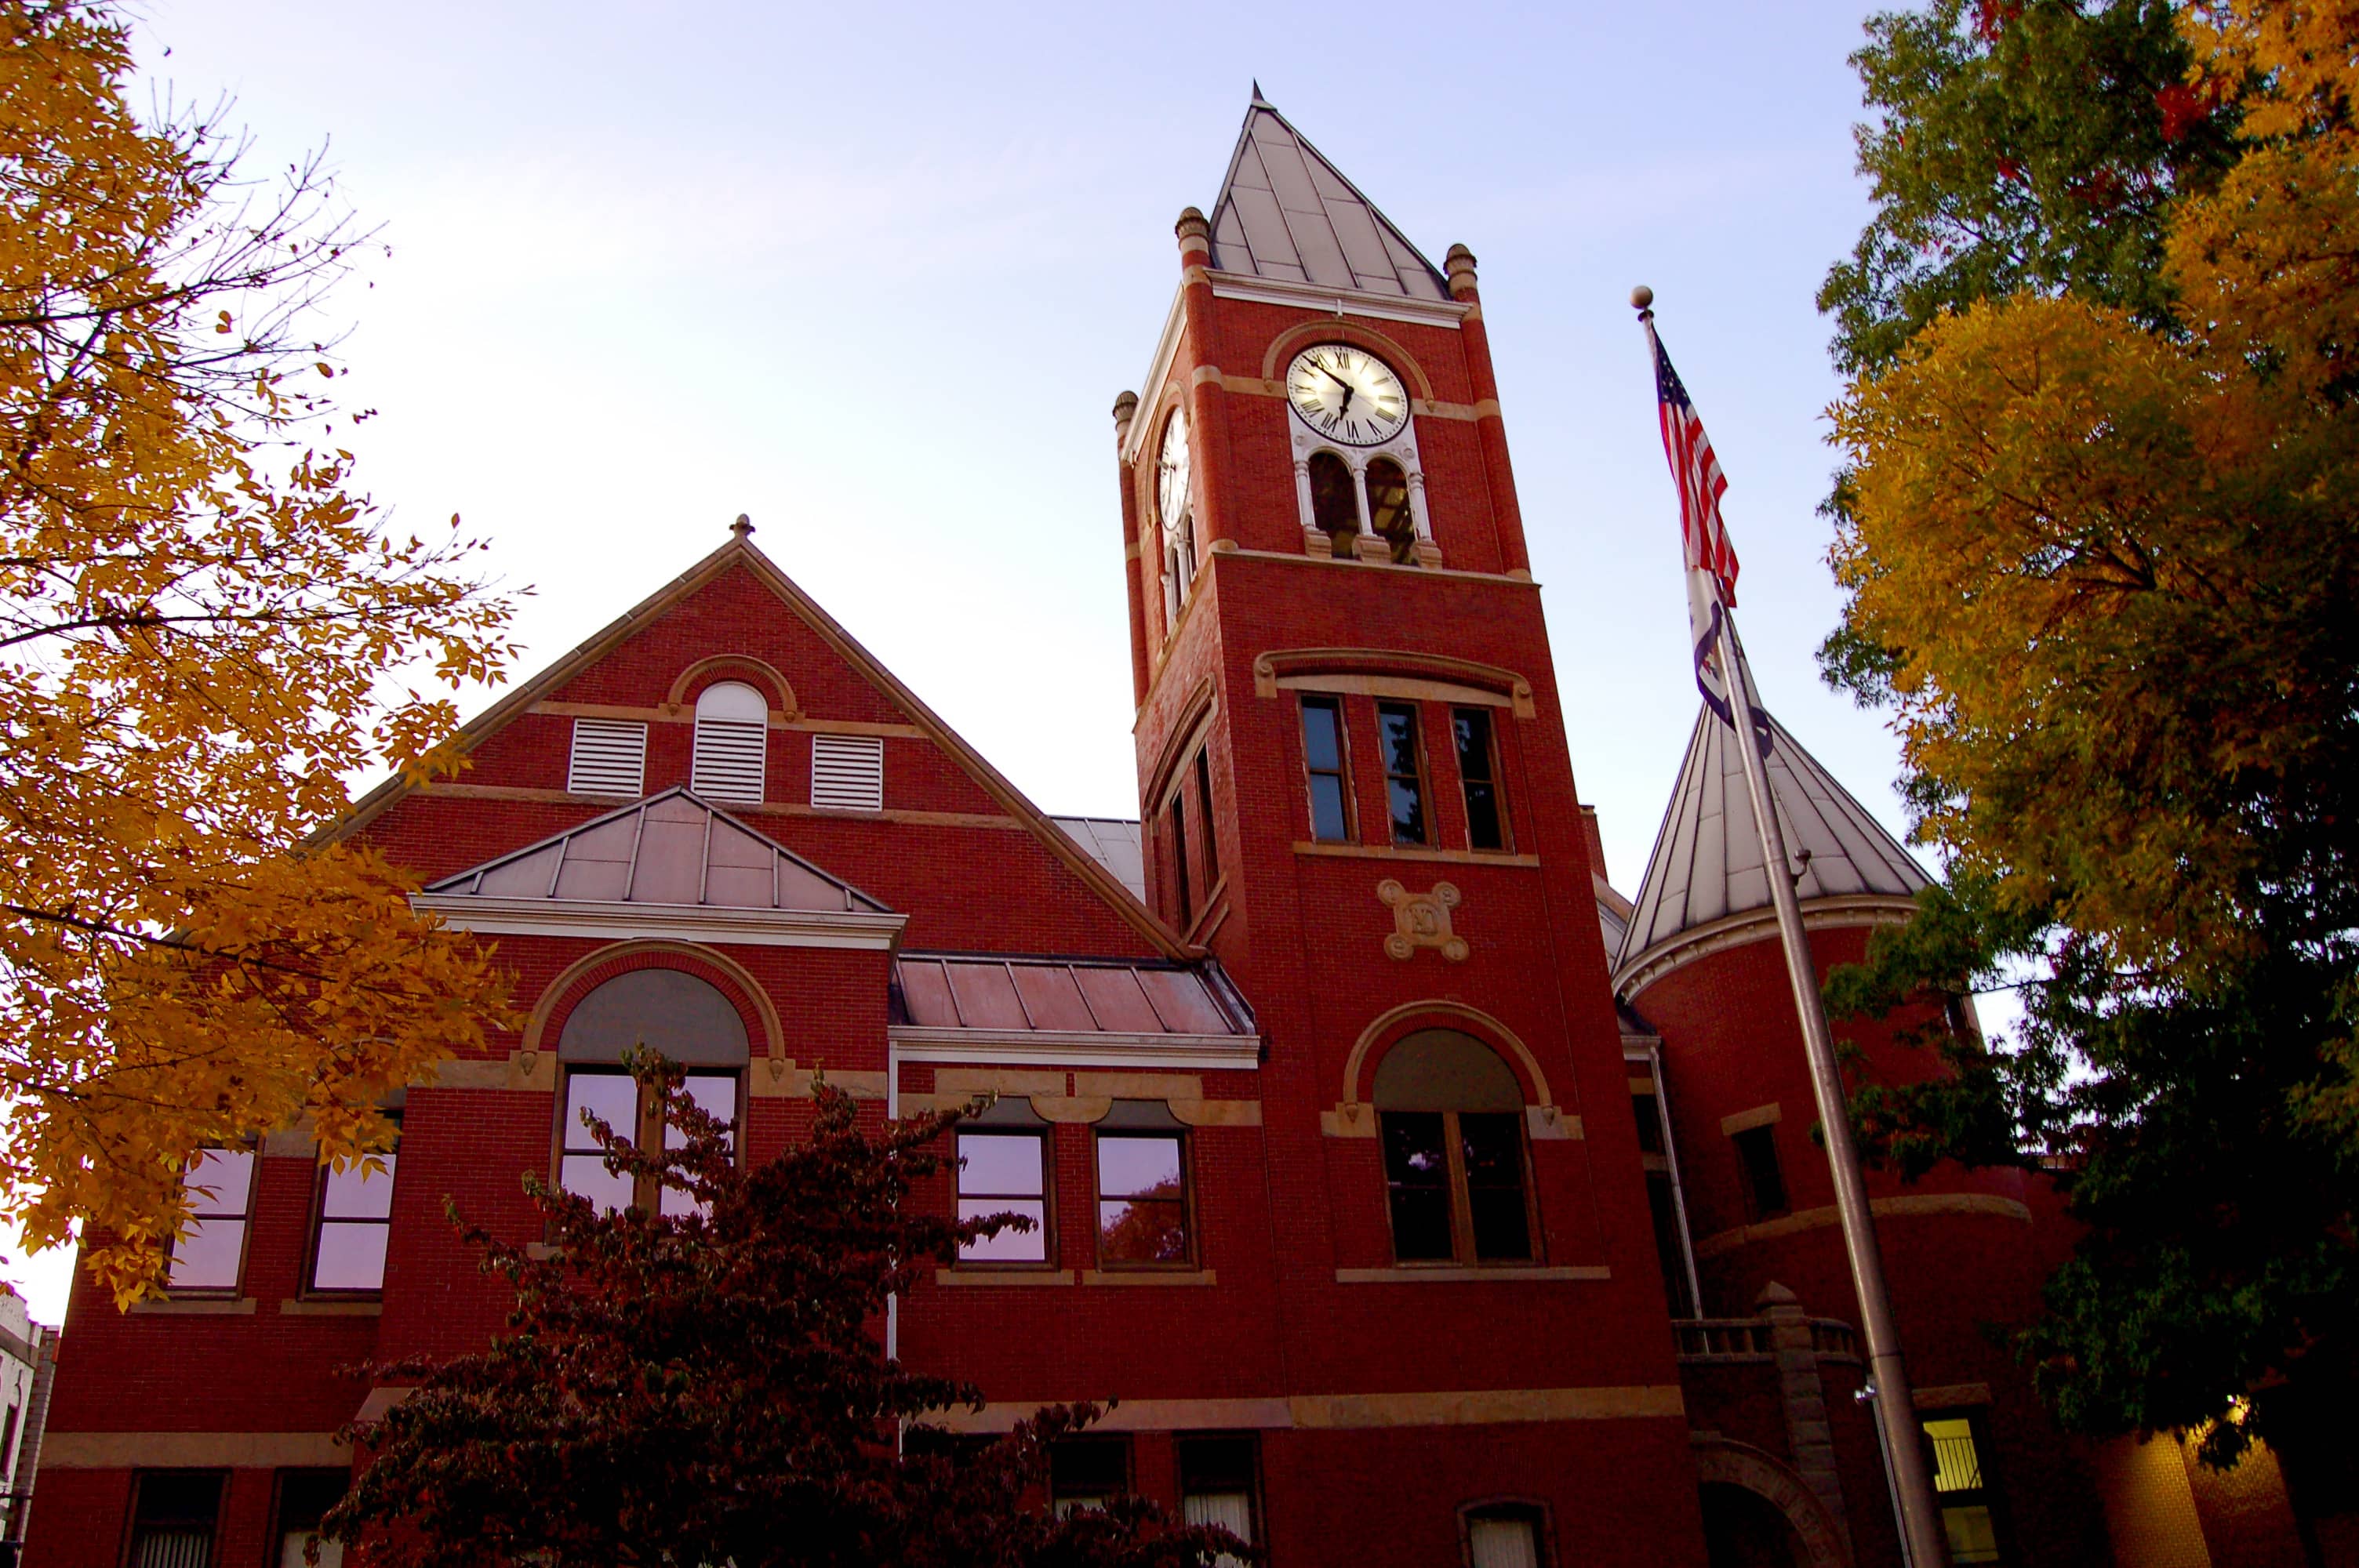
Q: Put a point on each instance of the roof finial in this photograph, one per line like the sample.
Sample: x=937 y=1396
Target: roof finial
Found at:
x=1258 y=98
x=742 y=527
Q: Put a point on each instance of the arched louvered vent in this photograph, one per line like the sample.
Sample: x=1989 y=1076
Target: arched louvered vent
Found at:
x=732 y=729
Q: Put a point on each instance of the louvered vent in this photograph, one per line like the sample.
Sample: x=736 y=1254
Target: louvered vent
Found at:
x=848 y=773
x=610 y=757
x=729 y=756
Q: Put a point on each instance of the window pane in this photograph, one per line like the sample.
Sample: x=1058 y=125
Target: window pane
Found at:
x=1397 y=731
x=352 y=1257
x=206 y=1254
x=611 y=1097
x=999 y=1164
x=1335 y=507
x=1231 y=1512
x=1416 y=1172
x=219 y=1181
x=715 y=1095
x=1502 y=1544
x=1649 y=1116
x=1408 y=803
x=1956 y=1467
x=1327 y=820
x=358 y=1193
x=167 y=1547
x=1472 y=729
x=1139 y=1167
x=1321 y=745
x=293 y=1546
x=1141 y=1230
x=585 y=1175
x=1972 y=1537
x=1664 y=1207
x=1008 y=1246
x=1491 y=1143
x=1211 y=847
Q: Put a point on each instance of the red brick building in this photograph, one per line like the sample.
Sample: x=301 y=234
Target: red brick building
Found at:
x=1423 y=1200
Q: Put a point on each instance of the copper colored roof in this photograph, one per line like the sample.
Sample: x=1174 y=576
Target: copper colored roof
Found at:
x=1113 y=842
x=1286 y=213
x=1707 y=863
x=1074 y=996
x=670 y=849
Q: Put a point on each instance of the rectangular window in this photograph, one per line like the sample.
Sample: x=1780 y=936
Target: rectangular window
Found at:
x=1959 y=1487
x=1765 y=1181
x=1478 y=769
x=1322 y=758
x=848 y=773
x=633 y=1111
x=610 y=757
x=210 y=1251
x=1181 y=898
x=1396 y=739
x=1455 y=1184
x=304 y=1499
x=1004 y=1173
x=1219 y=1485
x=1204 y=819
x=173 y=1517
x=1142 y=1199
x=1503 y=1540
x=1087 y=1473
x=355 y=1214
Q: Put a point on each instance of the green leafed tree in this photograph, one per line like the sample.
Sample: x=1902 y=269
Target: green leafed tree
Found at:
x=2098 y=546
x=711 y=1386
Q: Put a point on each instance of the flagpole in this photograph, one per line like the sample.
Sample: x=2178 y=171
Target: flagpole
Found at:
x=1924 y=1542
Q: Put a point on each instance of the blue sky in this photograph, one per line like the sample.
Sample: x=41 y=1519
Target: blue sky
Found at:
x=874 y=274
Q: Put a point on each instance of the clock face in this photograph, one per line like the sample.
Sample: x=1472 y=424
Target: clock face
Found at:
x=1172 y=474
x=1347 y=394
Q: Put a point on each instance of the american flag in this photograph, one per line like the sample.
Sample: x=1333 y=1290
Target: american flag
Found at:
x=1697 y=473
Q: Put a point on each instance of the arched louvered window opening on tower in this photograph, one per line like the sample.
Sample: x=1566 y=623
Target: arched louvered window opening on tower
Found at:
x=1388 y=510
x=732 y=731
x=1335 y=504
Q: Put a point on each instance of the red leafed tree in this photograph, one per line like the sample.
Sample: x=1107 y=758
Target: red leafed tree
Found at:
x=713 y=1389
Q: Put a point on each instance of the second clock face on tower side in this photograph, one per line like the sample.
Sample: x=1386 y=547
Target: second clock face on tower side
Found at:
x=1172 y=474
x=1347 y=394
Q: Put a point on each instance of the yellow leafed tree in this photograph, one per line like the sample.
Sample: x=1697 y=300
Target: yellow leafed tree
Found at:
x=2117 y=568
x=200 y=627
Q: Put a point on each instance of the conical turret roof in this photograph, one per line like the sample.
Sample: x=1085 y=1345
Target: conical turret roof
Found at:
x=1707 y=863
x=1287 y=214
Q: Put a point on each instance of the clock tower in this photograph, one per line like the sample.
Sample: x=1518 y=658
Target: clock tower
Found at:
x=1356 y=794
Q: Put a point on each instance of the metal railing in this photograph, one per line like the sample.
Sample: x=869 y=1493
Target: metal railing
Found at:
x=1720 y=1340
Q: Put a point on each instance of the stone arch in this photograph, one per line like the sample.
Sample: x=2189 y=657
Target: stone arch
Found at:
x=594 y=968
x=1489 y=1030
x=1822 y=1534
x=1345 y=330
x=734 y=666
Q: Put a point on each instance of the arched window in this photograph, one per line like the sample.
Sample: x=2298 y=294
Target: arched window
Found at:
x=733 y=733
x=1334 y=509
x=1449 y=1114
x=1388 y=510
x=689 y=1021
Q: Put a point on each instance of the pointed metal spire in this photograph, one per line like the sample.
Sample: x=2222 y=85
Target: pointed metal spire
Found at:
x=1706 y=863
x=1287 y=214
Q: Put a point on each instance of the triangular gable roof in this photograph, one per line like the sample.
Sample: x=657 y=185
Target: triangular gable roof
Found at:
x=673 y=848
x=1286 y=213
x=1707 y=863
x=740 y=551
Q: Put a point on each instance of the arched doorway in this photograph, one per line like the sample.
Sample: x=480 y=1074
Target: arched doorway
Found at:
x=1742 y=1529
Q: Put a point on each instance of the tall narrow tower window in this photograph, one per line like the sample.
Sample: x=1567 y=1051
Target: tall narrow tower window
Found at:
x=1404 y=769
x=1334 y=509
x=1388 y=511
x=732 y=733
x=1478 y=775
x=1204 y=819
x=1323 y=760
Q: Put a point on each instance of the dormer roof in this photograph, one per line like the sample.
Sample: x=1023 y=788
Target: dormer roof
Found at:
x=1707 y=869
x=1287 y=214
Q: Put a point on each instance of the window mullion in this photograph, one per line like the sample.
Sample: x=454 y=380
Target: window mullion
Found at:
x=1462 y=1208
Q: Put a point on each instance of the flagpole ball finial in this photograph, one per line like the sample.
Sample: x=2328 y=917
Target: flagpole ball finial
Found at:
x=1641 y=297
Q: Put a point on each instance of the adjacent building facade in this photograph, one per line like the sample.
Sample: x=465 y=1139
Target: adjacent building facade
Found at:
x=1422 y=1199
